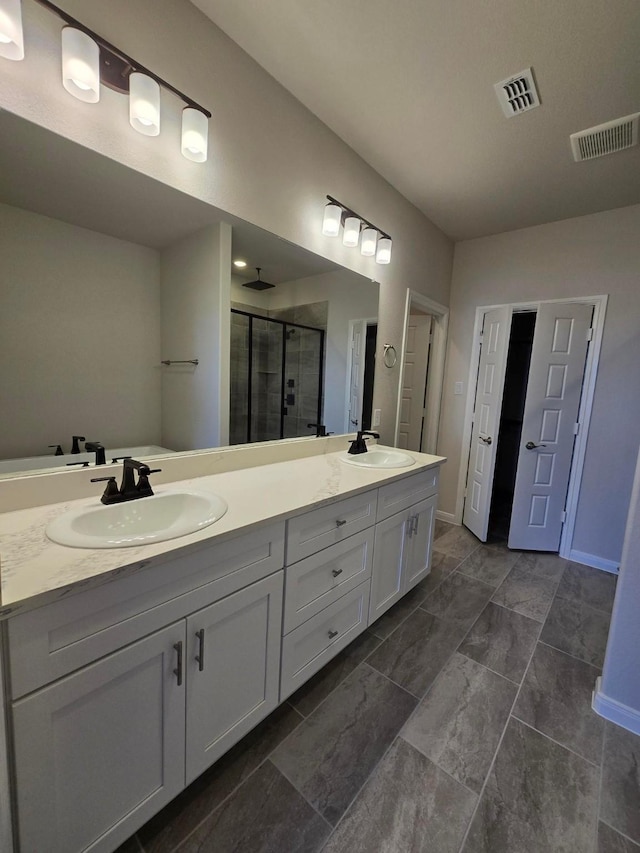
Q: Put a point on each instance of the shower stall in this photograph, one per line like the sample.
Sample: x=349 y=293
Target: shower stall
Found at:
x=276 y=378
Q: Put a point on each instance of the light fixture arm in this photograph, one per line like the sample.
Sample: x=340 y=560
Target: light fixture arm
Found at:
x=347 y=211
x=129 y=63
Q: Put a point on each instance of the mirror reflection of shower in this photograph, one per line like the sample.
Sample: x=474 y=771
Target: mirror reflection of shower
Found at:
x=276 y=373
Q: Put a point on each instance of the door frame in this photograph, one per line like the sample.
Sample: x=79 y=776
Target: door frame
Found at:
x=584 y=413
x=368 y=321
x=435 y=369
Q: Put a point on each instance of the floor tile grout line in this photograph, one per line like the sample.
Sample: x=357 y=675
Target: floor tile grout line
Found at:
x=495 y=754
x=569 y=655
x=435 y=764
x=584 y=603
x=595 y=764
x=622 y=834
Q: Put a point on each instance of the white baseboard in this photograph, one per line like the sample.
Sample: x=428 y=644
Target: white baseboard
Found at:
x=449 y=517
x=617 y=712
x=593 y=561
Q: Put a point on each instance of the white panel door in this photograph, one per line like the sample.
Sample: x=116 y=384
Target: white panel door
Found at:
x=389 y=556
x=550 y=414
x=486 y=421
x=356 y=375
x=414 y=381
x=421 y=523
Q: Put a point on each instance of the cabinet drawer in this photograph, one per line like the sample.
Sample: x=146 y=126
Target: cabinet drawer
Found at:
x=309 y=647
x=317 y=581
x=404 y=493
x=49 y=642
x=315 y=530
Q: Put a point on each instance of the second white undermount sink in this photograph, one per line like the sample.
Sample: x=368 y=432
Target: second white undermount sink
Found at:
x=157 y=518
x=379 y=457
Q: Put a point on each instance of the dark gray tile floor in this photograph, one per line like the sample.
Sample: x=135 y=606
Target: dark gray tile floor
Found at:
x=460 y=722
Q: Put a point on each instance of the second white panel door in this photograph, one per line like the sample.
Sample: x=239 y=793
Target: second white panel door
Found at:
x=548 y=431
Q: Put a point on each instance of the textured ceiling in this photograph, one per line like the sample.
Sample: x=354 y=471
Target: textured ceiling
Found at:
x=409 y=86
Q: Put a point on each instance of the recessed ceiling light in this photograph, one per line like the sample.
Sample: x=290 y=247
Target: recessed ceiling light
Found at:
x=240 y=264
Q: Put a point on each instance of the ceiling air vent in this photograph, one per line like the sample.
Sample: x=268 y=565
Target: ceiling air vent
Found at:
x=517 y=94
x=605 y=138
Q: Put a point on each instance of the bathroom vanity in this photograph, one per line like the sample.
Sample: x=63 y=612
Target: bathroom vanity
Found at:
x=131 y=671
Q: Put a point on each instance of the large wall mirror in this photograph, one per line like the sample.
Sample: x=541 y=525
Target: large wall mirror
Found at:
x=106 y=274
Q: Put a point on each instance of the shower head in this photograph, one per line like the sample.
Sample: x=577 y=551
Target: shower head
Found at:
x=258 y=284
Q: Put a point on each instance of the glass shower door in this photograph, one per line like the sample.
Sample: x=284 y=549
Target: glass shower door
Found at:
x=303 y=361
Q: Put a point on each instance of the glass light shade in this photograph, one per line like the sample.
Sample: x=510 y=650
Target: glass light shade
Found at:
x=332 y=220
x=351 y=231
x=11 y=36
x=80 y=65
x=144 y=104
x=195 y=133
x=369 y=241
x=383 y=255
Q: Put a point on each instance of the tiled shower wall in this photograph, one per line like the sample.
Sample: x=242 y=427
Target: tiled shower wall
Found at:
x=302 y=372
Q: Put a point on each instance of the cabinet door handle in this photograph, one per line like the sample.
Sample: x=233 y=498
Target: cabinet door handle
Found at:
x=178 y=670
x=410 y=521
x=200 y=655
x=333 y=634
x=336 y=572
x=340 y=522
x=416 y=522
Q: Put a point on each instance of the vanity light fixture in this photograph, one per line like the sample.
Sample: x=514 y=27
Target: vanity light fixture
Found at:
x=332 y=219
x=89 y=61
x=383 y=255
x=368 y=242
x=11 y=36
x=144 y=104
x=80 y=65
x=357 y=229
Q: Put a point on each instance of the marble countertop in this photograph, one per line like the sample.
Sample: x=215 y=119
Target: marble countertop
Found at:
x=35 y=571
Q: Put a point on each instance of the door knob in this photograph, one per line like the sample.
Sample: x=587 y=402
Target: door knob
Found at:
x=531 y=446
x=485 y=440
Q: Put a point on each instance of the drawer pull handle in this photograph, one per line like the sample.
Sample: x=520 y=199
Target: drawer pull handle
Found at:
x=200 y=655
x=336 y=572
x=340 y=522
x=178 y=670
x=333 y=634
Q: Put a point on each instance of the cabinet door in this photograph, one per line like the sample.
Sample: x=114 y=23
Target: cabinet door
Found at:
x=101 y=751
x=421 y=523
x=388 y=561
x=233 y=669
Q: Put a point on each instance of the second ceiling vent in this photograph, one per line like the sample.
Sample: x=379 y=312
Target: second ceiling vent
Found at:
x=605 y=138
x=517 y=94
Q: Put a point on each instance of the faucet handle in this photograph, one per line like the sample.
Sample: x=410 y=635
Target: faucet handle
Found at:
x=111 y=493
x=58 y=448
x=117 y=459
x=144 y=486
x=71 y=464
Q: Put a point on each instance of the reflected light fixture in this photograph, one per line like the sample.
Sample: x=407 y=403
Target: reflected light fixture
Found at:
x=11 y=36
x=80 y=65
x=144 y=104
x=351 y=234
x=357 y=229
x=240 y=264
x=89 y=61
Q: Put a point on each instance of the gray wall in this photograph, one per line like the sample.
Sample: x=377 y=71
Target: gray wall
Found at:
x=74 y=355
x=585 y=256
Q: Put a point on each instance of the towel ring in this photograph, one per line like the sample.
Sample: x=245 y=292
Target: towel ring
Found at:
x=390 y=356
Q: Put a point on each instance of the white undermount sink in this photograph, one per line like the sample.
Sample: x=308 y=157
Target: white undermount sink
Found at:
x=163 y=516
x=379 y=457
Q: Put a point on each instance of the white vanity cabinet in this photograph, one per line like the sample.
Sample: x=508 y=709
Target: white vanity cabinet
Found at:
x=100 y=750
x=402 y=548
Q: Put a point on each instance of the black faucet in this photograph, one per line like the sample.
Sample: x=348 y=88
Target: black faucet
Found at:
x=98 y=449
x=58 y=448
x=75 y=447
x=129 y=490
x=359 y=445
x=321 y=430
